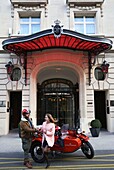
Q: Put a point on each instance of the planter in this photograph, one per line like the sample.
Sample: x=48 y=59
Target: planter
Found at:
x=95 y=132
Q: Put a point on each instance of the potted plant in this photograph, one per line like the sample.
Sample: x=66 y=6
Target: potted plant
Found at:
x=95 y=127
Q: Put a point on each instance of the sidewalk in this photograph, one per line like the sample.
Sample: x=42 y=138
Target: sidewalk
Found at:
x=105 y=141
x=12 y=142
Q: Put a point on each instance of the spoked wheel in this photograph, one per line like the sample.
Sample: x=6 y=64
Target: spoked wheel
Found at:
x=36 y=152
x=88 y=150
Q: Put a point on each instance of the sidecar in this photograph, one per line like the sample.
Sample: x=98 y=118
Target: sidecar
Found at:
x=65 y=142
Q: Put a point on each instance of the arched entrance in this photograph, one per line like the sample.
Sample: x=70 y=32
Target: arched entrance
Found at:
x=59 y=70
x=60 y=97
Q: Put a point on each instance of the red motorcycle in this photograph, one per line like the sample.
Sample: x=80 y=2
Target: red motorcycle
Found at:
x=65 y=142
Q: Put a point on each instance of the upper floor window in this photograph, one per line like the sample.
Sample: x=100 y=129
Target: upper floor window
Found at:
x=85 y=24
x=29 y=25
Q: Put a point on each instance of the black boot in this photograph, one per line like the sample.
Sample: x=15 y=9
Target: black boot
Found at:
x=46 y=158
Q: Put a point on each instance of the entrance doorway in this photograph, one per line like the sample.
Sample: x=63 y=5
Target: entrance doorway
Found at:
x=15 y=109
x=59 y=98
x=100 y=107
x=60 y=105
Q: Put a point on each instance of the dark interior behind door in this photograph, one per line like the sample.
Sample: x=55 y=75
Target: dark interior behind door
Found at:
x=100 y=107
x=15 y=109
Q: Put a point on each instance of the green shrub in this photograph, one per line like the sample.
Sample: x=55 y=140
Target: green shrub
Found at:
x=95 y=123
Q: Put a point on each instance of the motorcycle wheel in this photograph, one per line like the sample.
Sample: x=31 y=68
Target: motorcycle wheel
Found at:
x=36 y=152
x=88 y=150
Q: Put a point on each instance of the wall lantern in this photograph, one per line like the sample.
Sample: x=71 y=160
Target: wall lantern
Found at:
x=16 y=74
x=13 y=71
x=105 y=66
x=101 y=71
x=9 y=67
x=99 y=74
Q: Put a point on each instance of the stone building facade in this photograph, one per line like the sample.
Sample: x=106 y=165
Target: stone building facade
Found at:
x=57 y=78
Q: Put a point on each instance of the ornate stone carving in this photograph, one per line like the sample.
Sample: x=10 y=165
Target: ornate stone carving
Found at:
x=85 y=8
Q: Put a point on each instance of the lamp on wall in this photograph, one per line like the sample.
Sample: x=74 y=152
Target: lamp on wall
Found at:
x=105 y=65
x=9 y=67
x=13 y=71
x=101 y=71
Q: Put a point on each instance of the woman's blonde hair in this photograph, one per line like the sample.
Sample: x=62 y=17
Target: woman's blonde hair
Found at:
x=51 y=118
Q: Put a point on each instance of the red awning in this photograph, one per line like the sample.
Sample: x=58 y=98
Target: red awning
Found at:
x=46 y=40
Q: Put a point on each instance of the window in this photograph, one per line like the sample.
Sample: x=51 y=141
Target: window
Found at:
x=16 y=74
x=85 y=24
x=29 y=25
x=99 y=75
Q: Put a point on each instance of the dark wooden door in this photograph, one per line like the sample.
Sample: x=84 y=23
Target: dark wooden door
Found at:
x=15 y=109
x=100 y=107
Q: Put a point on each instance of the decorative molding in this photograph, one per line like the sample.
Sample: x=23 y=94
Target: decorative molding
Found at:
x=68 y=11
x=85 y=8
x=46 y=12
x=27 y=8
x=12 y=11
x=29 y=2
x=86 y=5
x=30 y=8
x=84 y=2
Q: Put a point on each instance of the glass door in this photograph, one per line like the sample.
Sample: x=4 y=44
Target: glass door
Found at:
x=58 y=97
x=61 y=107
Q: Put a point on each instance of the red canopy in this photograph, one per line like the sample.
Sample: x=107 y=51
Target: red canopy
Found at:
x=46 y=39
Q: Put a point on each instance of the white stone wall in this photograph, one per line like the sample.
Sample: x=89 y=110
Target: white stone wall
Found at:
x=3 y=95
x=5 y=18
x=56 y=9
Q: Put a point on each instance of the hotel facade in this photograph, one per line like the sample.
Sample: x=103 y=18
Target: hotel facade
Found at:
x=57 y=57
